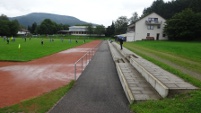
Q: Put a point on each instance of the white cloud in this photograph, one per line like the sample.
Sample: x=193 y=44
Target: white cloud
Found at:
x=95 y=11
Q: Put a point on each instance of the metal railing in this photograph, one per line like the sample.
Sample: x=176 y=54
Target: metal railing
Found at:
x=80 y=65
x=153 y=22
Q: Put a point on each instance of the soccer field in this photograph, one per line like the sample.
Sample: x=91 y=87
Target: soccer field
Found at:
x=31 y=48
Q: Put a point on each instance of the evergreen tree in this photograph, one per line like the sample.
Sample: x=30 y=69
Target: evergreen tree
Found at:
x=110 y=30
x=33 y=28
x=166 y=9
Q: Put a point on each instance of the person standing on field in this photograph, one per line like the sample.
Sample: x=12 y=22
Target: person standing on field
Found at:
x=7 y=40
x=42 y=42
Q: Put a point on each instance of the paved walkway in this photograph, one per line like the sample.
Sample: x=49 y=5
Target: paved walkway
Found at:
x=98 y=90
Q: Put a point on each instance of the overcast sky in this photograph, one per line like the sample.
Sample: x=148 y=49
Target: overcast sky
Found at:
x=94 y=11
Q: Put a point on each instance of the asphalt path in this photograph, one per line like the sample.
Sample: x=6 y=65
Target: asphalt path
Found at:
x=98 y=89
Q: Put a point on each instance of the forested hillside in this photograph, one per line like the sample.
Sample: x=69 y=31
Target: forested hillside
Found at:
x=29 y=19
x=168 y=9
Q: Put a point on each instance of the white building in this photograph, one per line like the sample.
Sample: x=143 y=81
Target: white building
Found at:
x=149 y=27
x=82 y=31
x=78 y=30
x=23 y=32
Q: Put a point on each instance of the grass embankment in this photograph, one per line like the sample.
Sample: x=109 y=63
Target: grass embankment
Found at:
x=33 y=49
x=183 y=54
x=40 y=104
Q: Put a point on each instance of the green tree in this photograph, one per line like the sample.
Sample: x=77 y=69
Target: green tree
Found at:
x=33 y=28
x=121 y=25
x=90 y=29
x=99 y=30
x=62 y=27
x=47 y=27
x=110 y=30
x=14 y=27
x=66 y=27
x=195 y=5
x=7 y=27
x=4 y=28
x=4 y=17
x=165 y=9
x=156 y=7
x=134 y=18
x=184 y=26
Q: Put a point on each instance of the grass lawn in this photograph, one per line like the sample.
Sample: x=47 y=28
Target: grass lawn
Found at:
x=33 y=49
x=188 y=50
x=183 y=54
x=40 y=104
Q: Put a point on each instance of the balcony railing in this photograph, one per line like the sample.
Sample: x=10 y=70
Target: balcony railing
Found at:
x=153 y=22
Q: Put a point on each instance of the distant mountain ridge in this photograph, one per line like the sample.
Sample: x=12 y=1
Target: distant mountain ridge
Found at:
x=29 y=19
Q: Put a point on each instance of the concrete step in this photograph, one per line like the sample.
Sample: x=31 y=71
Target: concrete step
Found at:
x=138 y=86
x=165 y=83
x=135 y=86
x=169 y=83
x=155 y=83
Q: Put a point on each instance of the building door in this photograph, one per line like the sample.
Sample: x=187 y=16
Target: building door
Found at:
x=157 y=36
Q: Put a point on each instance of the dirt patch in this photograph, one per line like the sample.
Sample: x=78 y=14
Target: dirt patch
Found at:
x=21 y=81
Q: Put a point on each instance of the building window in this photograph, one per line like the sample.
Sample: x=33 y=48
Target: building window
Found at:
x=164 y=35
x=150 y=19
x=153 y=20
x=150 y=27
x=156 y=20
x=159 y=26
x=148 y=34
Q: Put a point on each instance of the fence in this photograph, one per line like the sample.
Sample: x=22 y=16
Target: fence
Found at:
x=80 y=65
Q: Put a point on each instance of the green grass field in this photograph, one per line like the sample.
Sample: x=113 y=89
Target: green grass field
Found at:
x=188 y=50
x=183 y=54
x=32 y=48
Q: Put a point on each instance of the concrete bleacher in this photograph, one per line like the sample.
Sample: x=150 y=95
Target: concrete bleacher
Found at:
x=134 y=85
x=143 y=80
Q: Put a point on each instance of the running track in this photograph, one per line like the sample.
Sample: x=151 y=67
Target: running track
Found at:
x=20 y=81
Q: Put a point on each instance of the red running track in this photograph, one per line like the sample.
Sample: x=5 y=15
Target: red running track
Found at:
x=23 y=80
